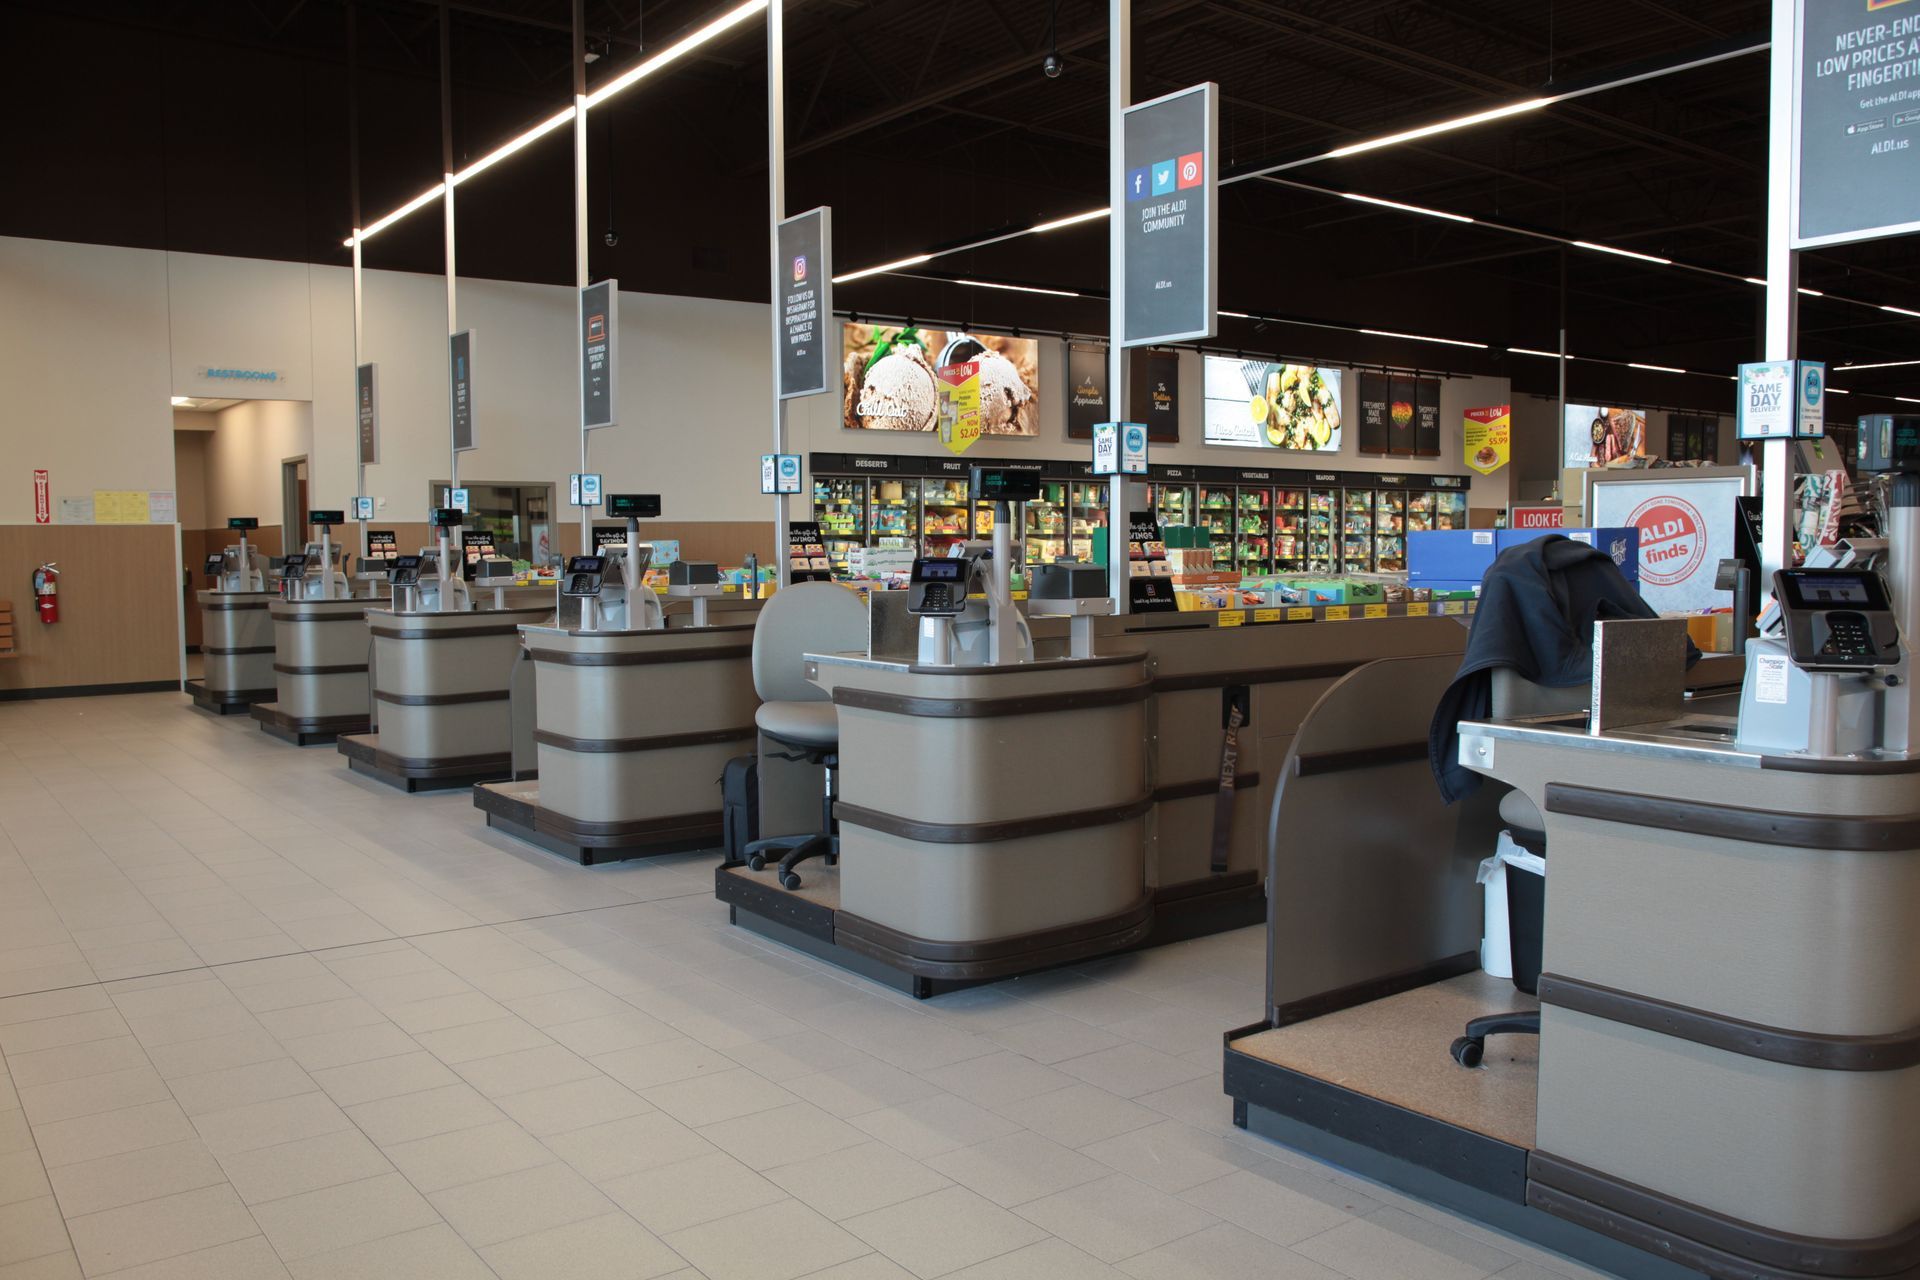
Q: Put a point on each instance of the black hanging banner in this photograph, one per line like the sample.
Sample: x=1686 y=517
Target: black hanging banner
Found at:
x=1375 y=404
x=1426 y=418
x=1154 y=394
x=1086 y=390
x=1401 y=394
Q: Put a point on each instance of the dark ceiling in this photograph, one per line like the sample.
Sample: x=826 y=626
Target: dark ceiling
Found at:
x=222 y=126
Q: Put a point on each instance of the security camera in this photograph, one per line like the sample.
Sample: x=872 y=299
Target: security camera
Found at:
x=612 y=237
x=1053 y=66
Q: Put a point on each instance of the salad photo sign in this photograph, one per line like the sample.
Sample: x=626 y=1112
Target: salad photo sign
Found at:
x=1261 y=405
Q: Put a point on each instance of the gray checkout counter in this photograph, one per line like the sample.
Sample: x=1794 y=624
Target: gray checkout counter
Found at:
x=319 y=646
x=1726 y=1078
x=236 y=635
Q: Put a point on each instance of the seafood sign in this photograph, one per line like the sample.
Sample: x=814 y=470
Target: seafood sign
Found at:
x=1488 y=436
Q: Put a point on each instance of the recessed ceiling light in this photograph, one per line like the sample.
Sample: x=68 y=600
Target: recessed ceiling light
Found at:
x=182 y=402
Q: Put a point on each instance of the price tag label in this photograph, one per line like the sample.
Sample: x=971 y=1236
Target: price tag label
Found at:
x=1453 y=606
x=1266 y=615
x=1339 y=612
x=1419 y=609
x=1300 y=615
x=1232 y=617
x=1373 y=611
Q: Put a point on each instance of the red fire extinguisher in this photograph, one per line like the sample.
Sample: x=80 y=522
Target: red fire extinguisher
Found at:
x=46 y=592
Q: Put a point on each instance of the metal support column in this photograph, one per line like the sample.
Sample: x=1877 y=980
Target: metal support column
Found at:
x=581 y=274
x=1119 y=88
x=776 y=211
x=353 y=193
x=448 y=571
x=1782 y=322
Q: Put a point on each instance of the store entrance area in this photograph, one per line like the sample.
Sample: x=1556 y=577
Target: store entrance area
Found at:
x=519 y=515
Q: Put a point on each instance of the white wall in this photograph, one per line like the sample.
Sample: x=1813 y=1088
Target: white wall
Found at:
x=250 y=442
x=190 y=473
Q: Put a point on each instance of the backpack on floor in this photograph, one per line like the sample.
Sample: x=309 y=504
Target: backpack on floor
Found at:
x=739 y=806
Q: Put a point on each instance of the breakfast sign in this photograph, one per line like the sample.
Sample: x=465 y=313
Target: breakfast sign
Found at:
x=1489 y=438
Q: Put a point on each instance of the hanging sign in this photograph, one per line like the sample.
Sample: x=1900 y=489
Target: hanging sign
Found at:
x=1376 y=398
x=1168 y=214
x=460 y=403
x=583 y=490
x=42 y=498
x=1766 y=409
x=1811 y=378
x=599 y=353
x=1155 y=388
x=958 y=411
x=807 y=365
x=779 y=473
x=1489 y=438
x=460 y=500
x=1855 y=165
x=1086 y=389
x=366 y=399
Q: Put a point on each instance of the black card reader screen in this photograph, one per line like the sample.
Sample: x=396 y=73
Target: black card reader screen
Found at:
x=404 y=570
x=292 y=565
x=1828 y=590
x=215 y=563
x=587 y=564
x=938 y=570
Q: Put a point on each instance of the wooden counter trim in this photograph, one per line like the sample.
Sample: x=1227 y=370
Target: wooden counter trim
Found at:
x=1025 y=704
x=660 y=742
x=1202 y=787
x=989 y=832
x=440 y=699
x=1321 y=762
x=1732 y=822
x=1702 y=1239
x=343 y=669
x=210 y=652
x=423 y=633
x=1810 y=1049
x=561 y=658
x=994 y=957
x=233 y=608
x=1260 y=675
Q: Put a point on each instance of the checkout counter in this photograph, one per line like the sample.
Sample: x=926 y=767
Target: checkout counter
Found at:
x=1726 y=1080
x=635 y=705
x=1020 y=789
x=236 y=645
x=443 y=654
x=319 y=644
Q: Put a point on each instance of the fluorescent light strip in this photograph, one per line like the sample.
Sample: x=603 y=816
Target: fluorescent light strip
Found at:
x=1812 y=293
x=1237 y=315
x=914 y=261
x=1624 y=253
x=1018 y=288
x=1654 y=368
x=1900 y=311
x=672 y=53
x=1444 y=126
x=1070 y=220
x=1837 y=391
x=1885 y=364
x=1529 y=351
x=1421 y=337
x=1755 y=280
x=1406 y=208
x=1907 y=400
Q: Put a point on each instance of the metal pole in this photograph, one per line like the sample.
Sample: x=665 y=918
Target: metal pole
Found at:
x=581 y=276
x=449 y=571
x=1782 y=320
x=777 y=210
x=1119 y=88
x=1560 y=421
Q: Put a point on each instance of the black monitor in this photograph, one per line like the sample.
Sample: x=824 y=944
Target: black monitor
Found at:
x=633 y=506
x=1005 y=484
x=243 y=522
x=327 y=517
x=215 y=564
x=448 y=517
x=584 y=575
x=294 y=566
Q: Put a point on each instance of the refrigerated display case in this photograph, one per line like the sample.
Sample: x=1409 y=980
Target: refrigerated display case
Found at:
x=1390 y=531
x=1048 y=523
x=894 y=514
x=1450 y=510
x=1217 y=513
x=1289 y=530
x=1089 y=512
x=1356 y=531
x=840 y=509
x=1172 y=502
x=1323 y=548
x=944 y=503
x=1253 y=531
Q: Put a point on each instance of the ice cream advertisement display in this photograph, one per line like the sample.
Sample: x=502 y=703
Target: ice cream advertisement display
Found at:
x=891 y=383
x=1261 y=405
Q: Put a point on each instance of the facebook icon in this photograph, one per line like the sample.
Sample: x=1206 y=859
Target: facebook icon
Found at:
x=1137 y=184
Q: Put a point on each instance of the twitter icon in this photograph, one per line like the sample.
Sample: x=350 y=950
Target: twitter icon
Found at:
x=1163 y=178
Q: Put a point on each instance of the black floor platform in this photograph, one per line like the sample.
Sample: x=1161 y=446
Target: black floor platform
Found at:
x=226 y=702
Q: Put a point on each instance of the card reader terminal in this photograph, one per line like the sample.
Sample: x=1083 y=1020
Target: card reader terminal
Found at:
x=584 y=576
x=404 y=571
x=938 y=588
x=1837 y=619
x=293 y=566
x=215 y=565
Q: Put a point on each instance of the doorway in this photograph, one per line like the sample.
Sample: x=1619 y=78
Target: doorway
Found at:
x=518 y=515
x=293 y=505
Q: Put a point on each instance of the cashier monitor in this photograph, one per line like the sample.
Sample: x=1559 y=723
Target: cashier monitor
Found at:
x=938 y=587
x=584 y=576
x=404 y=571
x=1837 y=619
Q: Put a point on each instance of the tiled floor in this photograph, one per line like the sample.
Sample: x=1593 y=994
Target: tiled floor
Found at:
x=260 y=1018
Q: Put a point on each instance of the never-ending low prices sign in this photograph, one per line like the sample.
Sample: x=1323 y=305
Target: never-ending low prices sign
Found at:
x=460 y=396
x=958 y=408
x=1488 y=438
x=366 y=396
x=599 y=353
x=1168 y=215
x=1856 y=120
x=807 y=358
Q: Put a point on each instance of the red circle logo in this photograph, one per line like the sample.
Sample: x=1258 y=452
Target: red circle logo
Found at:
x=1673 y=540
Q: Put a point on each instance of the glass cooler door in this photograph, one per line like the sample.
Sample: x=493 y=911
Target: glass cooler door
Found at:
x=1289 y=530
x=1356 y=531
x=1047 y=524
x=1323 y=554
x=1216 y=516
x=1253 y=531
x=895 y=519
x=1390 y=531
x=944 y=524
x=1089 y=513
x=840 y=508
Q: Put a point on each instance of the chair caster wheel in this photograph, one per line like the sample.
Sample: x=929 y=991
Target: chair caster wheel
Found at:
x=756 y=863
x=789 y=880
x=1468 y=1051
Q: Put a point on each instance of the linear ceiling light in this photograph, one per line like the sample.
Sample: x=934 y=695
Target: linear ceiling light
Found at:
x=914 y=261
x=1755 y=280
x=1907 y=400
x=1654 y=368
x=1444 y=126
x=1406 y=208
x=1838 y=391
x=1070 y=220
x=1884 y=364
x=1529 y=351
x=1624 y=253
x=1421 y=337
x=1019 y=288
x=1812 y=293
x=672 y=53
x=1900 y=311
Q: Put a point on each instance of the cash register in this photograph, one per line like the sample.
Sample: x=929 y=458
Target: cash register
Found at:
x=293 y=575
x=964 y=603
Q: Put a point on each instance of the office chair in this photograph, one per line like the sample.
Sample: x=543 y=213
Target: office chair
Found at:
x=1514 y=698
x=807 y=617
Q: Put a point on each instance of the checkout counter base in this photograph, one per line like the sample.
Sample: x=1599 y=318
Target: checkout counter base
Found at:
x=226 y=702
x=306 y=731
x=364 y=756
x=809 y=920
x=514 y=808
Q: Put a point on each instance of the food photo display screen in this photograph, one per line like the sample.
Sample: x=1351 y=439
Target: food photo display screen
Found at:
x=887 y=378
x=1257 y=404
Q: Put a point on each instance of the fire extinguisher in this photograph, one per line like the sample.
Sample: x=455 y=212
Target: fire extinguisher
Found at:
x=46 y=592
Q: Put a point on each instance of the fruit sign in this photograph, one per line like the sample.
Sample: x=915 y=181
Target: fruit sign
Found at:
x=1686 y=528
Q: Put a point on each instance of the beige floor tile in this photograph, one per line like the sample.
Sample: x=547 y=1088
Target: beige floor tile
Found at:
x=22 y=1176
x=631 y=1144
x=872 y=1266
x=249 y=1259
x=430 y=1253
x=71 y=1028
x=168 y=1027
x=31 y=1229
x=553 y=1008
x=1172 y=1156
x=53 y=1266
x=1283 y=1204
x=674 y=1197
x=779 y=1242
x=855 y=1088
x=269 y=1124
x=929 y=1126
x=663 y=1062
x=88 y=1095
x=202 y=991
x=944 y=1231
x=998 y=1078
x=307 y=1164
x=577 y=1104
x=610 y=1247
x=229 y=1087
x=166 y=1227
x=111 y=1132
x=468 y=1041
x=842 y=1184
x=609 y=1033
x=421 y=1115
x=317 y=1019
x=525 y=1069
x=782 y=1135
x=1224 y=1250
x=259 y=973
x=348 y=1214
x=437 y=1013
x=1079 y=1115
x=53 y=1004
x=1391 y=1244
x=468 y=1155
x=384 y=1078
x=723 y=1095
x=1130 y=1070
x=517 y=1204
x=351 y=1045
x=1017 y=1168
x=1116 y=1217
x=289 y=993
x=114 y=1181
x=216 y=1053
x=1050 y=1259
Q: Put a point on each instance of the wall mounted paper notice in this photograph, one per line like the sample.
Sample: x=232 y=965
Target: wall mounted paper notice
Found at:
x=162 y=507
x=119 y=506
x=75 y=510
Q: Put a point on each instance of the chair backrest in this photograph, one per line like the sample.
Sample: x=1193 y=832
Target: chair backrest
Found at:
x=807 y=617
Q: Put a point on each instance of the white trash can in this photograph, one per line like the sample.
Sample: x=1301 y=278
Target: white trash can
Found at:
x=1496 y=938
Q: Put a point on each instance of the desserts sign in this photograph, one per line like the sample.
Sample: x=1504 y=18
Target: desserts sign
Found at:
x=890 y=381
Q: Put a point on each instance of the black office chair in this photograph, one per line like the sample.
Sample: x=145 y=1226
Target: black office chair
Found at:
x=794 y=713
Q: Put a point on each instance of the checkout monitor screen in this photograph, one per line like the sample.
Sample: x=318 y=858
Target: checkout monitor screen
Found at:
x=939 y=570
x=404 y=571
x=1823 y=591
